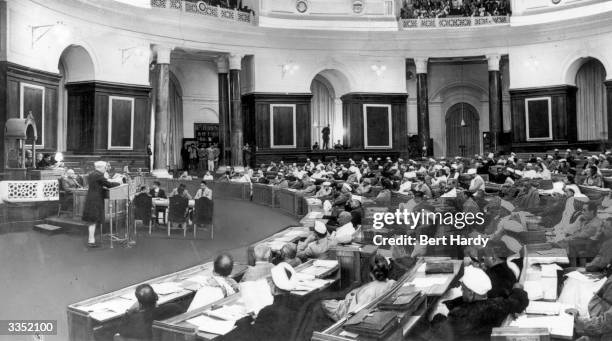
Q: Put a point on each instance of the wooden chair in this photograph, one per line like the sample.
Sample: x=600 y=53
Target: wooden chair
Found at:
x=143 y=207
x=177 y=212
x=203 y=215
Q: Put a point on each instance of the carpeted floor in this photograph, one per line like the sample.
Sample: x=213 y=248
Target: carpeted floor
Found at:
x=42 y=274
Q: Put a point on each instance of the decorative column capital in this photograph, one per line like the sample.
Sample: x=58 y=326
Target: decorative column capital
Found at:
x=222 y=65
x=421 y=64
x=162 y=53
x=235 y=61
x=493 y=61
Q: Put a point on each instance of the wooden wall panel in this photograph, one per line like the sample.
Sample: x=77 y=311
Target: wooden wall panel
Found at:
x=563 y=113
x=352 y=117
x=257 y=106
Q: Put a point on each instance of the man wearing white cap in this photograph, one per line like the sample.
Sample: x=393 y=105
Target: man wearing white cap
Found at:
x=477 y=183
x=93 y=211
x=473 y=315
x=325 y=193
x=317 y=244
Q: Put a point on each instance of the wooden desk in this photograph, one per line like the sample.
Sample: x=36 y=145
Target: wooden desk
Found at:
x=178 y=329
x=275 y=241
x=354 y=262
x=78 y=205
x=82 y=322
x=406 y=322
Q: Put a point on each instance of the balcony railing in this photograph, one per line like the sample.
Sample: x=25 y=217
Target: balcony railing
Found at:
x=202 y=8
x=407 y=24
x=29 y=191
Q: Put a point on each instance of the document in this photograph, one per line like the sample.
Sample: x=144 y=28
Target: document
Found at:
x=166 y=288
x=204 y=296
x=543 y=308
x=561 y=326
x=424 y=282
x=212 y=325
x=228 y=312
x=325 y=263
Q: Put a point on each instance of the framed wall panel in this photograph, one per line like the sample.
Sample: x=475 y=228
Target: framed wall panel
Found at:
x=283 y=126
x=32 y=99
x=120 y=123
x=377 y=127
x=538 y=119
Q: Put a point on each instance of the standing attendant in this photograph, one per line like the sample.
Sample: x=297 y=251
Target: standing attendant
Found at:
x=216 y=153
x=210 y=156
x=149 y=153
x=325 y=132
x=93 y=212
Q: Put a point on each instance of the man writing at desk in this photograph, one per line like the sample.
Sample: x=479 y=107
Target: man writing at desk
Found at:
x=137 y=323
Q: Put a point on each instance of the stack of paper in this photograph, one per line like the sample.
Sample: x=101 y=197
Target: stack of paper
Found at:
x=309 y=285
x=429 y=281
x=167 y=288
x=543 y=308
x=108 y=309
x=228 y=312
x=325 y=263
x=550 y=270
x=534 y=290
x=561 y=326
x=212 y=325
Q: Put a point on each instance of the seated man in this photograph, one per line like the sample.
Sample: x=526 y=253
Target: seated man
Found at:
x=589 y=226
x=316 y=244
x=473 y=315
x=222 y=269
x=203 y=191
x=280 y=181
x=598 y=325
x=309 y=188
x=288 y=254
x=380 y=284
x=70 y=182
x=344 y=233
x=181 y=190
x=137 y=322
x=502 y=276
x=262 y=266
x=604 y=255
x=325 y=193
x=364 y=188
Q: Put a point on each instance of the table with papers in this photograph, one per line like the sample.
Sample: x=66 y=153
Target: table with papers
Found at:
x=539 y=278
x=432 y=286
x=105 y=311
x=217 y=318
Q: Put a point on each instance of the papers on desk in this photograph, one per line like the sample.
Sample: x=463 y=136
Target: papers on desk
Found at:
x=303 y=287
x=543 y=308
x=550 y=270
x=561 y=326
x=109 y=309
x=228 y=312
x=167 y=288
x=205 y=296
x=325 y=263
x=425 y=282
x=212 y=325
x=534 y=290
x=548 y=256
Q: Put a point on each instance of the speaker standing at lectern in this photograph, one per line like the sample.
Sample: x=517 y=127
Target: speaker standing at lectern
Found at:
x=93 y=212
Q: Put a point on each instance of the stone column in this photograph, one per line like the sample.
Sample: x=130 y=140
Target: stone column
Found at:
x=422 y=105
x=496 y=118
x=162 y=91
x=224 y=121
x=235 y=110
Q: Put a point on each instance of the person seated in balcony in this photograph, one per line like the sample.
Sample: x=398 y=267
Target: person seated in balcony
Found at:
x=208 y=176
x=184 y=176
x=338 y=145
x=315 y=146
x=43 y=161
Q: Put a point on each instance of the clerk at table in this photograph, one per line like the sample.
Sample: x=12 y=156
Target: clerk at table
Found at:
x=203 y=191
x=157 y=192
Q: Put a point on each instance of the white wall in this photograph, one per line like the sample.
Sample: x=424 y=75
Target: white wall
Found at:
x=555 y=63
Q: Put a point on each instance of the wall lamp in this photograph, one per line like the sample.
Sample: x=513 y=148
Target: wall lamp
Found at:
x=379 y=69
x=289 y=68
x=38 y=32
x=129 y=52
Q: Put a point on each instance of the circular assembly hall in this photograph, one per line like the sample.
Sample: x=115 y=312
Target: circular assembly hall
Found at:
x=325 y=170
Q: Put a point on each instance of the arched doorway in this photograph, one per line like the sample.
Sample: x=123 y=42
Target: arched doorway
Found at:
x=591 y=114
x=326 y=107
x=462 y=130
x=75 y=65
